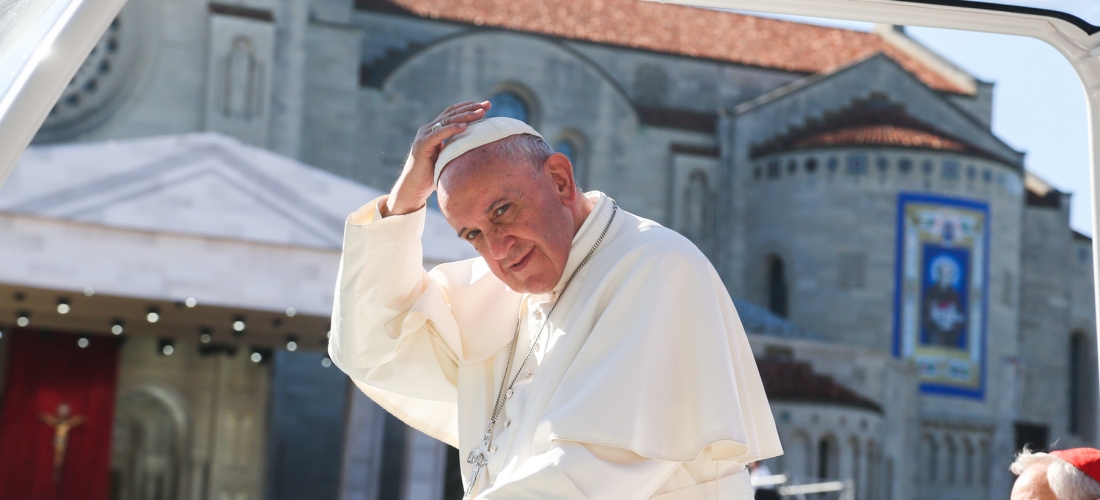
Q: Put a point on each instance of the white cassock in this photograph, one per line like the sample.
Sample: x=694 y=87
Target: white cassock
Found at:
x=643 y=385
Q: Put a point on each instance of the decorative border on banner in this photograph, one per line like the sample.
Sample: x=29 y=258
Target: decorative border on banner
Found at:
x=903 y=200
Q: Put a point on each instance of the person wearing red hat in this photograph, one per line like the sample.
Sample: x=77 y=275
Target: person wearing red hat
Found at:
x=1059 y=475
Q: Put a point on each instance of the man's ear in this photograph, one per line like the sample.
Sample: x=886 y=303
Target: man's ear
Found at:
x=561 y=173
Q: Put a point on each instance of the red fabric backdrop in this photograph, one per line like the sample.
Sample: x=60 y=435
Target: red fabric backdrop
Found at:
x=44 y=371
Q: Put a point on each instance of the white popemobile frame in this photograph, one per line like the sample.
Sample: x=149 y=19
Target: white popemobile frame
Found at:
x=43 y=42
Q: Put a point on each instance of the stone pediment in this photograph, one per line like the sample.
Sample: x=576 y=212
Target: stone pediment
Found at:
x=201 y=184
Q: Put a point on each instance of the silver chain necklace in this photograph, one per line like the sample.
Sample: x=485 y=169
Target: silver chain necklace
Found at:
x=479 y=458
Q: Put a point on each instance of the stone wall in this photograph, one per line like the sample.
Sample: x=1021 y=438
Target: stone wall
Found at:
x=1055 y=304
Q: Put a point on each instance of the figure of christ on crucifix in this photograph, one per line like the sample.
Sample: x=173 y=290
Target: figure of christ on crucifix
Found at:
x=61 y=423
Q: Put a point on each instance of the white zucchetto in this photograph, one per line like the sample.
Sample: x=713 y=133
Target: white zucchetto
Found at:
x=478 y=134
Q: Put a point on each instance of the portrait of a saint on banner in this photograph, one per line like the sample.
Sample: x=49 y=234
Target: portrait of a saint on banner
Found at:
x=940 y=306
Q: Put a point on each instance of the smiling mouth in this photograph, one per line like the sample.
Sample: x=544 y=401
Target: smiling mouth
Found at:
x=522 y=262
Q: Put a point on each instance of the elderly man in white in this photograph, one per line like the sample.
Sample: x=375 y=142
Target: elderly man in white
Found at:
x=587 y=354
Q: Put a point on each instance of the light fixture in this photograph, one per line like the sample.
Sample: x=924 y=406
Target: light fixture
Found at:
x=116 y=327
x=190 y=302
x=290 y=312
x=204 y=335
x=238 y=324
x=152 y=315
x=166 y=347
x=292 y=343
x=89 y=291
x=63 y=306
x=260 y=355
x=23 y=318
x=82 y=343
x=325 y=362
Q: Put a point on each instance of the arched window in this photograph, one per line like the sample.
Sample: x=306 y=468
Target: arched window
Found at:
x=698 y=212
x=873 y=481
x=968 y=462
x=931 y=458
x=1080 y=390
x=511 y=105
x=827 y=453
x=148 y=438
x=983 y=462
x=905 y=165
x=777 y=286
x=796 y=459
x=569 y=147
x=241 y=79
x=856 y=473
x=952 y=460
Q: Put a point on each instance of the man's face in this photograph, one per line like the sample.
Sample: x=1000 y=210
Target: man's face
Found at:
x=1032 y=484
x=518 y=217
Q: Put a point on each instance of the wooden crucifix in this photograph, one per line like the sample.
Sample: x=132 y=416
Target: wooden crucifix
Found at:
x=61 y=423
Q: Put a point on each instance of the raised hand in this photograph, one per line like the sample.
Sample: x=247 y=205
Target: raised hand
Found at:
x=416 y=183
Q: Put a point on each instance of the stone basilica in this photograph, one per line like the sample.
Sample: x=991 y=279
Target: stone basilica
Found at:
x=917 y=303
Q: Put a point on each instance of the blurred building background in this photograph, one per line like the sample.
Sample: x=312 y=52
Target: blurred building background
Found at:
x=918 y=305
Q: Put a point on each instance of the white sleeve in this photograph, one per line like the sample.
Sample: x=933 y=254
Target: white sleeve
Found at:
x=396 y=357
x=579 y=471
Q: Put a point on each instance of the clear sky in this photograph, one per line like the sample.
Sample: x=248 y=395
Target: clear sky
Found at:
x=1038 y=102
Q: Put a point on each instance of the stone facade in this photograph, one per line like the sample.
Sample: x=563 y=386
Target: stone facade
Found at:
x=707 y=147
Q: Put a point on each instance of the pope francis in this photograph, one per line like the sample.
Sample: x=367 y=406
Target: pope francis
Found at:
x=587 y=354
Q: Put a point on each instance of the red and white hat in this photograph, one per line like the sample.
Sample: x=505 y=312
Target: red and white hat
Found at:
x=1085 y=459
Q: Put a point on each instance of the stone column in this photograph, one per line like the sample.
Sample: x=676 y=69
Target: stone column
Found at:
x=425 y=467
x=362 y=448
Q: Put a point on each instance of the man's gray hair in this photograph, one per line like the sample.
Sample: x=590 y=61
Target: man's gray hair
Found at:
x=524 y=149
x=1067 y=482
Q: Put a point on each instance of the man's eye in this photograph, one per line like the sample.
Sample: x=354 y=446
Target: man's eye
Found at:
x=501 y=210
x=470 y=235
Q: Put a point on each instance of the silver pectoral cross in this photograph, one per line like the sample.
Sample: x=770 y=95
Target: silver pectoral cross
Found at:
x=479 y=458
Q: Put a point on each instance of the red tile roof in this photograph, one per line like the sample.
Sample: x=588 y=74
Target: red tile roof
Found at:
x=874 y=122
x=676 y=29
x=881 y=135
x=795 y=381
